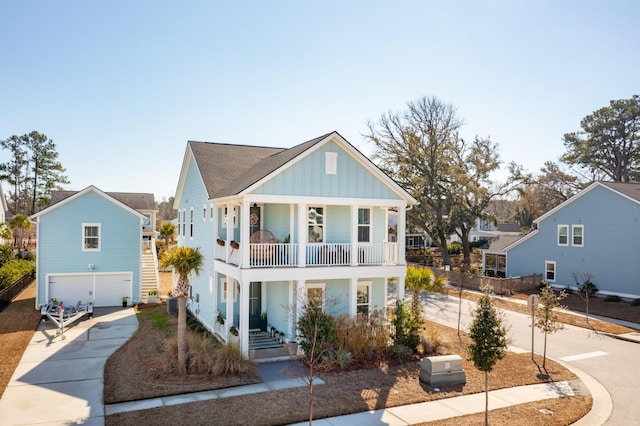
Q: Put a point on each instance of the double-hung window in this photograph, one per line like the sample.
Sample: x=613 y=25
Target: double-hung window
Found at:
x=550 y=271
x=90 y=237
x=315 y=295
x=577 y=232
x=563 y=235
x=364 y=225
x=364 y=298
x=315 y=224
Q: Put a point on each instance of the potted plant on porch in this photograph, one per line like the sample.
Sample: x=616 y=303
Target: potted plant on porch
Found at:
x=152 y=296
x=125 y=300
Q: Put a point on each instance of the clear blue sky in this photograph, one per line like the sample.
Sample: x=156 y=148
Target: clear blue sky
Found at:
x=121 y=86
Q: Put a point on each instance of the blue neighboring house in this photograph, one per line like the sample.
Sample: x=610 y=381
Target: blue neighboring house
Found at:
x=279 y=226
x=90 y=247
x=595 y=232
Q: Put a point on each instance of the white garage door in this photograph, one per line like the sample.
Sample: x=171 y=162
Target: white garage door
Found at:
x=101 y=289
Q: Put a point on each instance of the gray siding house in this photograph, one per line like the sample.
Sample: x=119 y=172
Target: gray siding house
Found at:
x=595 y=232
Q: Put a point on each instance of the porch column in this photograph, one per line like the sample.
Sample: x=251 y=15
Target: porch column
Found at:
x=244 y=235
x=291 y=315
x=302 y=234
x=353 y=297
x=402 y=230
x=228 y=218
x=301 y=299
x=401 y=288
x=354 y=237
x=228 y=321
x=244 y=319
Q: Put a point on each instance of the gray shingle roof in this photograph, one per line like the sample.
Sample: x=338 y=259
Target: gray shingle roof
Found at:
x=135 y=200
x=502 y=242
x=229 y=169
x=631 y=190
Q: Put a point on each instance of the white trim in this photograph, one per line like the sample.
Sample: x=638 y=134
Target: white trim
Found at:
x=223 y=290
x=92 y=225
x=555 y=270
x=568 y=236
x=369 y=286
x=573 y=235
x=79 y=194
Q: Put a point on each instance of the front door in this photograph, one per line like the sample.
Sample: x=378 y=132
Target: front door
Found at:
x=255 y=305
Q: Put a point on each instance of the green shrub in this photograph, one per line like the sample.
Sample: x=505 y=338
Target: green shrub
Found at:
x=454 y=248
x=13 y=270
x=587 y=288
x=317 y=330
x=612 y=298
x=6 y=254
x=406 y=325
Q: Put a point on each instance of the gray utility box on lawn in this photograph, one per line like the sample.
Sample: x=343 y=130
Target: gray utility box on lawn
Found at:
x=442 y=370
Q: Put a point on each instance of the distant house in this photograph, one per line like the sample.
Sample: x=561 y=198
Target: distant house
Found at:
x=596 y=232
x=91 y=246
x=280 y=226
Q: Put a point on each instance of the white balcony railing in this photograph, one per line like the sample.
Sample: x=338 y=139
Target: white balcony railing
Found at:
x=331 y=254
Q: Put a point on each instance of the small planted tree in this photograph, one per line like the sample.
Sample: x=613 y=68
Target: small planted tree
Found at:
x=406 y=323
x=317 y=338
x=547 y=314
x=586 y=288
x=422 y=279
x=489 y=343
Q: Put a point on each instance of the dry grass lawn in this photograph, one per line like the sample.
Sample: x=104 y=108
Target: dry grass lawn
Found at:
x=18 y=321
x=386 y=385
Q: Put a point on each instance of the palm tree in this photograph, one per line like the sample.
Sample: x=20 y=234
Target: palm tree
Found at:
x=421 y=279
x=184 y=260
x=167 y=232
x=20 y=222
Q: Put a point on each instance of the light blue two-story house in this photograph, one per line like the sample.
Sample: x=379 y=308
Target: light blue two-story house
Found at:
x=96 y=247
x=595 y=233
x=278 y=226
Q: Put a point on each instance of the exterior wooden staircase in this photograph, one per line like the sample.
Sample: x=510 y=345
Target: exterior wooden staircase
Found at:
x=150 y=279
x=262 y=340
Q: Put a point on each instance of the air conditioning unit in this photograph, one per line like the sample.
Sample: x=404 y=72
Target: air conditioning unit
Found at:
x=172 y=305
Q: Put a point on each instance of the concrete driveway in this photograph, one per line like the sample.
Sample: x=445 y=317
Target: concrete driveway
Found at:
x=60 y=381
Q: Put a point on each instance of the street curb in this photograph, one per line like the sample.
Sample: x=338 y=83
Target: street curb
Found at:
x=622 y=337
x=602 y=404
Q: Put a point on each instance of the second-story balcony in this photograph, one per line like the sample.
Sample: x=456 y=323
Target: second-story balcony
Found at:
x=274 y=255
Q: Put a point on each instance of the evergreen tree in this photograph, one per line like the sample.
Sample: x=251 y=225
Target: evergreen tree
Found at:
x=489 y=342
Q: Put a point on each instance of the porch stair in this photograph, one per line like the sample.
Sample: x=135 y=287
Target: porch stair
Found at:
x=262 y=340
x=149 y=277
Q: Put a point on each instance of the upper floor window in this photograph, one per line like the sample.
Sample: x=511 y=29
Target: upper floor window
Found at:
x=315 y=223
x=577 y=232
x=191 y=223
x=563 y=235
x=233 y=218
x=90 y=237
x=184 y=222
x=204 y=212
x=364 y=225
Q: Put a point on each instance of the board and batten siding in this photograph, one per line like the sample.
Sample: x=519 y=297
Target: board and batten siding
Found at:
x=60 y=239
x=611 y=243
x=307 y=177
x=194 y=196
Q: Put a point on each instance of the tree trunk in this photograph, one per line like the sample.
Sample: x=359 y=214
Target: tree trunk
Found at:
x=182 y=335
x=486 y=398
x=544 y=354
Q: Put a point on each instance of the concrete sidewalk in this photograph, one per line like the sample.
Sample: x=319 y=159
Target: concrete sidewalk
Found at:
x=60 y=382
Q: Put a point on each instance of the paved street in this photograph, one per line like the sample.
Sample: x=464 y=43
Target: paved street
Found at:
x=613 y=362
